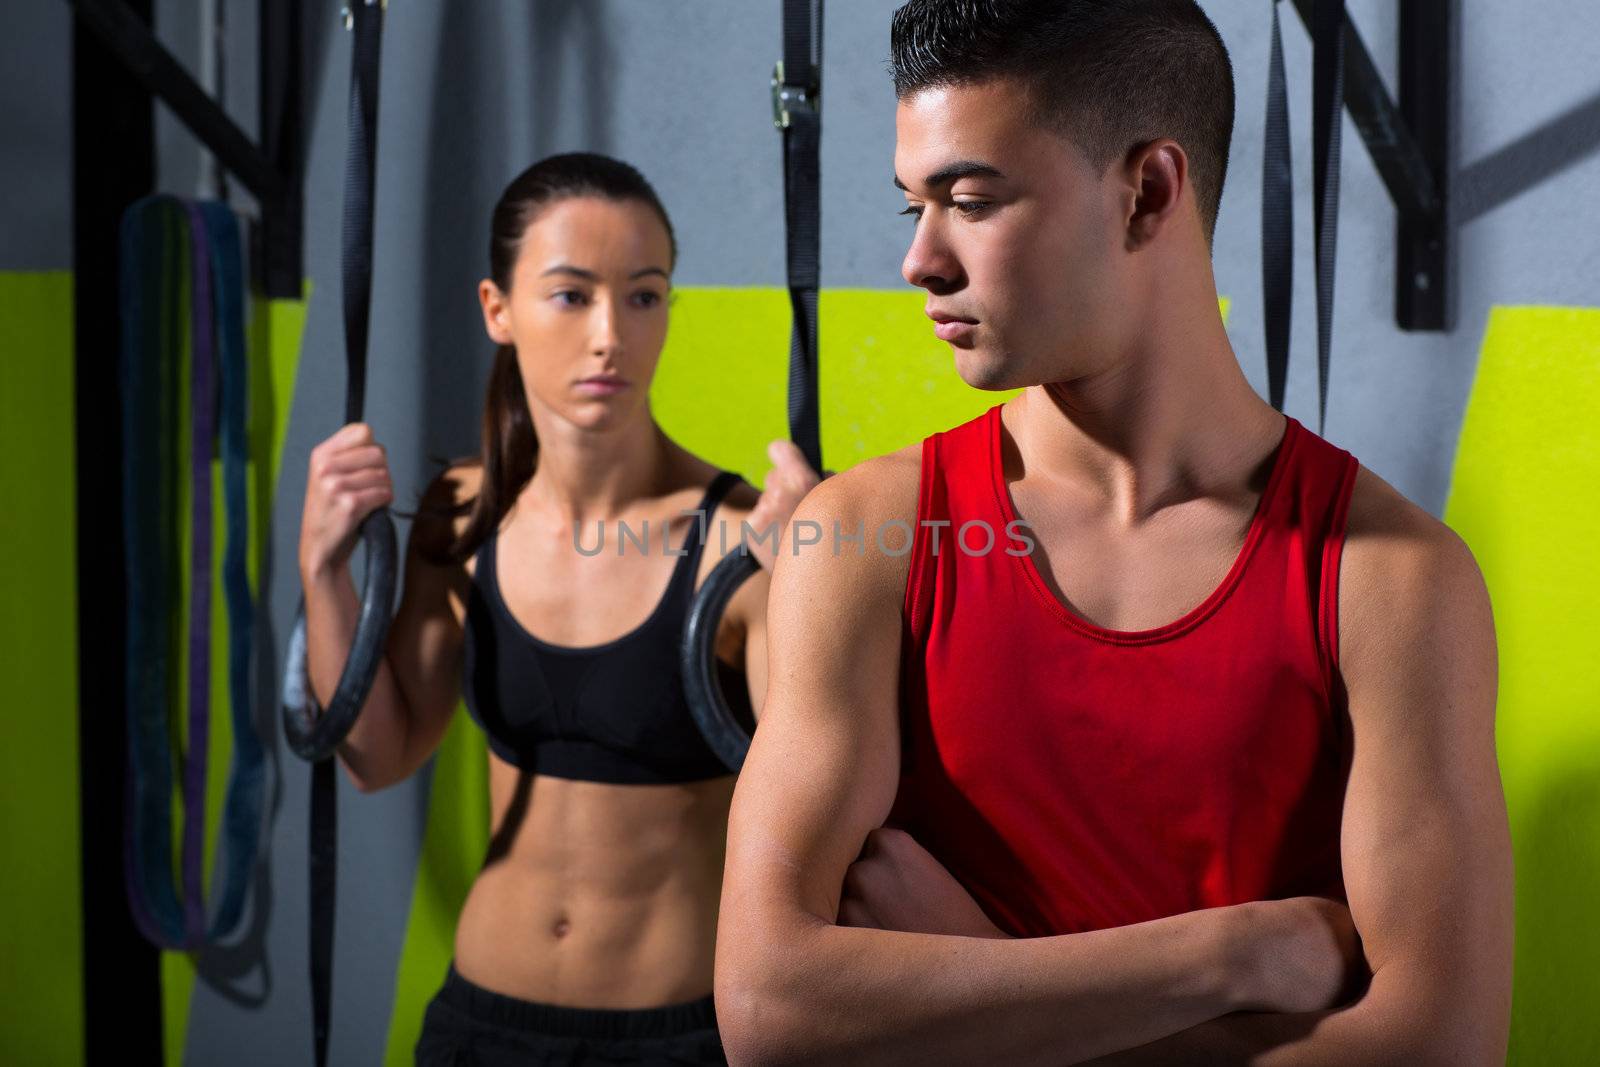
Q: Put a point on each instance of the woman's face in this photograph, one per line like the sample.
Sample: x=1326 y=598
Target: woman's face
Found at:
x=587 y=310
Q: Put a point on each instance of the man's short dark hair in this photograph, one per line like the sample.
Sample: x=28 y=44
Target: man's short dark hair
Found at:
x=1110 y=75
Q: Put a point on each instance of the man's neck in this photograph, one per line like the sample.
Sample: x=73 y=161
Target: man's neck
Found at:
x=1167 y=419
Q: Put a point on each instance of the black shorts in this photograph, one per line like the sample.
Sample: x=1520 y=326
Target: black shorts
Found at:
x=469 y=1026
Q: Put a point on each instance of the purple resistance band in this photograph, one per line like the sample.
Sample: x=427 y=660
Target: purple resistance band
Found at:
x=203 y=411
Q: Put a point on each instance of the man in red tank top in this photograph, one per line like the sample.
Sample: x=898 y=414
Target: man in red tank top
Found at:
x=1088 y=717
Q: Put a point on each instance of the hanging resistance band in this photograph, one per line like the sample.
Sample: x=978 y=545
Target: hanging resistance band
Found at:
x=1277 y=199
x=314 y=734
x=796 y=111
x=245 y=800
x=167 y=246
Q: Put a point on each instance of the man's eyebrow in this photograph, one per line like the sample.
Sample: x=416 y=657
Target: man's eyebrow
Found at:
x=966 y=168
x=591 y=276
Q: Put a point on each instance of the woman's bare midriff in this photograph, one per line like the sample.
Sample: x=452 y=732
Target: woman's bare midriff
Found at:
x=596 y=895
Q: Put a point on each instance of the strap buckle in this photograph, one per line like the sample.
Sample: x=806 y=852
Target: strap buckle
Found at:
x=787 y=97
x=348 y=17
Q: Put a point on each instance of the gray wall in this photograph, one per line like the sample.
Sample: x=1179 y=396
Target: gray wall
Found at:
x=470 y=97
x=36 y=136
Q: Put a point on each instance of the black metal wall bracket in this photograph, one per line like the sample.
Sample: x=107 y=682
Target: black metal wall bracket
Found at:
x=272 y=171
x=1410 y=146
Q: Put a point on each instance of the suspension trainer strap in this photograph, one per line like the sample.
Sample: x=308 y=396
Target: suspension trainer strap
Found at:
x=1327 y=43
x=366 y=21
x=1277 y=198
x=1277 y=222
x=796 y=101
x=359 y=168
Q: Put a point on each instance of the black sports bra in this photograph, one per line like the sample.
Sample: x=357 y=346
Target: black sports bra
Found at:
x=606 y=713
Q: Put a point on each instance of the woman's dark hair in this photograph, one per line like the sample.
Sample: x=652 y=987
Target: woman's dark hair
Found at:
x=510 y=448
x=1110 y=75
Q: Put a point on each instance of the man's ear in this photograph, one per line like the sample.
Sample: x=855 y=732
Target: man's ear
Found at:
x=1158 y=174
x=496 y=312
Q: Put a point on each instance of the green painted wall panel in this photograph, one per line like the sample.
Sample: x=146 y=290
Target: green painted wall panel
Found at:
x=41 y=928
x=886 y=381
x=1526 y=498
x=453 y=847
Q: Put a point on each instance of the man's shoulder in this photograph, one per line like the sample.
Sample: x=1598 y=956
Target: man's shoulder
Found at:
x=1390 y=537
x=1408 y=583
x=862 y=516
x=874 y=491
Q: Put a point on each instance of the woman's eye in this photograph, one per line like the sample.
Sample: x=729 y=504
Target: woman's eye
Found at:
x=971 y=207
x=912 y=210
x=647 y=299
x=568 y=297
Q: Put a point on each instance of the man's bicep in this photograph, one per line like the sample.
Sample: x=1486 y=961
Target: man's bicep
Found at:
x=1425 y=842
x=824 y=766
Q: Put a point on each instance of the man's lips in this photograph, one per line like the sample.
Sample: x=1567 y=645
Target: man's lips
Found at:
x=949 y=327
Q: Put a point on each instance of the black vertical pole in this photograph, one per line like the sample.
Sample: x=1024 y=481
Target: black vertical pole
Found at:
x=113 y=164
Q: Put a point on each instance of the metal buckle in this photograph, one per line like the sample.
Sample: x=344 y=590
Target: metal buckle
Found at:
x=348 y=17
x=787 y=99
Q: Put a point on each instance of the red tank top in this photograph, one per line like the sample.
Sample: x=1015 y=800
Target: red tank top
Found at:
x=1074 y=777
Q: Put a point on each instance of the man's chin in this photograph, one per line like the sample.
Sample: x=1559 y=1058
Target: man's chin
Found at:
x=983 y=368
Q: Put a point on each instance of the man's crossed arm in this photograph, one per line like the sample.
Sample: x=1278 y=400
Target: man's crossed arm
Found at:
x=795 y=985
x=1426 y=848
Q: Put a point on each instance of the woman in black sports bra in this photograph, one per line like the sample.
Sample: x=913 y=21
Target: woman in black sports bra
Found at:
x=547 y=583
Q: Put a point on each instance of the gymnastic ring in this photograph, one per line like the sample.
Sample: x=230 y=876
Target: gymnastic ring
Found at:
x=702 y=689
x=313 y=733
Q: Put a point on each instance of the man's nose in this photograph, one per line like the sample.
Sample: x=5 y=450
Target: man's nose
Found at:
x=929 y=262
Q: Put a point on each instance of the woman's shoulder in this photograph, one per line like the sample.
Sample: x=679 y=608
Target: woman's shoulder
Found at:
x=740 y=497
x=456 y=485
x=692 y=477
x=445 y=508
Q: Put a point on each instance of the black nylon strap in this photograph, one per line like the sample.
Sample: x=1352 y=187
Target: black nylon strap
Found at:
x=360 y=160
x=1327 y=42
x=802 y=42
x=802 y=200
x=366 y=20
x=1277 y=198
x=796 y=89
x=1277 y=222
x=324 y=868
